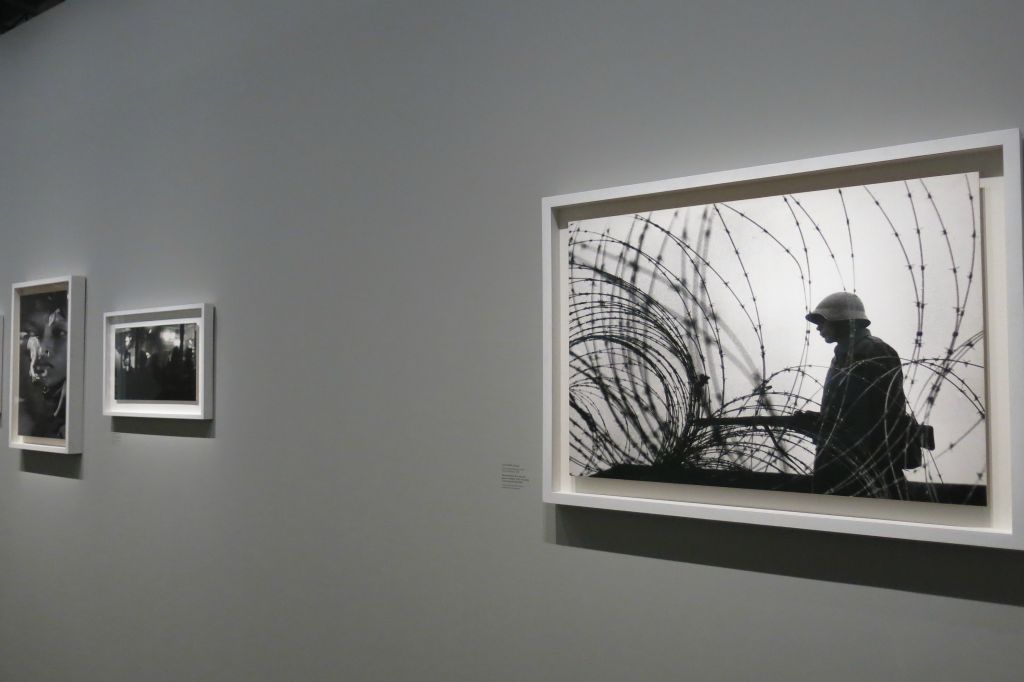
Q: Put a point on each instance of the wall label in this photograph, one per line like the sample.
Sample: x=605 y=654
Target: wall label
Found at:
x=513 y=476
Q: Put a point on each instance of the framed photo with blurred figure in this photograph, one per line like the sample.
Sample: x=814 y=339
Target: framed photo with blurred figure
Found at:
x=158 y=362
x=823 y=344
x=47 y=365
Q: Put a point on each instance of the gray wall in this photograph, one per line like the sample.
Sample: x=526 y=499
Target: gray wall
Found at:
x=356 y=186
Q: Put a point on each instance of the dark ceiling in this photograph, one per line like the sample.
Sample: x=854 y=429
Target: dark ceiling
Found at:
x=15 y=12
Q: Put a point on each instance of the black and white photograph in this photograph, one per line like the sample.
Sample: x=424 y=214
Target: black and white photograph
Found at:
x=156 y=363
x=828 y=342
x=43 y=365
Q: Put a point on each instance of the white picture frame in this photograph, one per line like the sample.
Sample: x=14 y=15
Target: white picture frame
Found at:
x=197 y=351
x=26 y=394
x=996 y=158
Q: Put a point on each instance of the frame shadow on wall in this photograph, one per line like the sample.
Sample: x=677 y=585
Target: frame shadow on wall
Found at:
x=963 y=572
x=50 y=464
x=70 y=466
x=175 y=428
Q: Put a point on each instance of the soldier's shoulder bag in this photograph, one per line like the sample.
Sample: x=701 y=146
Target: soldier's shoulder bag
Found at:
x=909 y=439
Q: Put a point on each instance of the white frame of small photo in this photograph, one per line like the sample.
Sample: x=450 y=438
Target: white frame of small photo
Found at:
x=75 y=374
x=200 y=314
x=996 y=156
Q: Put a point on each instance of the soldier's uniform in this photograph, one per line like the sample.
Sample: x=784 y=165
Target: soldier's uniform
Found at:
x=858 y=448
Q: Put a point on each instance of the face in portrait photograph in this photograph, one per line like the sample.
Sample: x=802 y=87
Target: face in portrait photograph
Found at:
x=43 y=334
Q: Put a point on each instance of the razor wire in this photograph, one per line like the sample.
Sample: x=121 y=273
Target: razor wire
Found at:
x=667 y=325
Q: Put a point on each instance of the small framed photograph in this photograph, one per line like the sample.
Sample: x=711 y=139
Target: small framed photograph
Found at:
x=824 y=344
x=47 y=365
x=158 y=362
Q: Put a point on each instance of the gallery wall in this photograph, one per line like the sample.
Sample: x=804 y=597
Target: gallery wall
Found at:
x=356 y=187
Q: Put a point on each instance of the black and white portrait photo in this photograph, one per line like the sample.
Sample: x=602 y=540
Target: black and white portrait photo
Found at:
x=43 y=365
x=828 y=342
x=155 y=363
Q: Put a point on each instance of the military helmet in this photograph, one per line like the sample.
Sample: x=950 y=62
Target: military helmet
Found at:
x=838 y=307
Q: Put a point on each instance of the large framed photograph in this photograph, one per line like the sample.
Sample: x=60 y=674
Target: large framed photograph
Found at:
x=47 y=365
x=820 y=344
x=158 y=362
